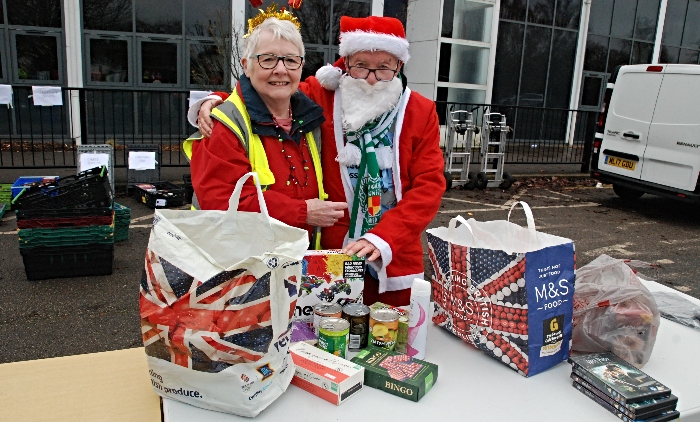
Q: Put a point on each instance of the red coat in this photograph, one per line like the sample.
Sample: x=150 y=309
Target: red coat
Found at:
x=219 y=161
x=419 y=188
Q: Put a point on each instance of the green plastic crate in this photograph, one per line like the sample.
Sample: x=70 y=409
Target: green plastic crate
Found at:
x=3 y=208
x=6 y=194
x=122 y=219
x=35 y=238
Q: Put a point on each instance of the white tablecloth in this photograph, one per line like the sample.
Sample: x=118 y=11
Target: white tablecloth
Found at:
x=474 y=387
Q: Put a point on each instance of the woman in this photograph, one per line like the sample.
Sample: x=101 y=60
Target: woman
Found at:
x=265 y=126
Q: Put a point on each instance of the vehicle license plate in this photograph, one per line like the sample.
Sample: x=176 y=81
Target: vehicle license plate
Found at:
x=619 y=162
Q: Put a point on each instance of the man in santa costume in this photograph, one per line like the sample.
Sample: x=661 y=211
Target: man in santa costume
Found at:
x=380 y=154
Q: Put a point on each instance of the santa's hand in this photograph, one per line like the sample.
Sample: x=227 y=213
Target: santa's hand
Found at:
x=324 y=213
x=361 y=248
x=204 y=121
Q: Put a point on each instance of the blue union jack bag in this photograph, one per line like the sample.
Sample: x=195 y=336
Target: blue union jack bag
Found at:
x=218 y=295
x=505 y=289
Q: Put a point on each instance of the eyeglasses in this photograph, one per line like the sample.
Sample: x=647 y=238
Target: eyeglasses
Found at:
x=382 y=75
x=269 y=61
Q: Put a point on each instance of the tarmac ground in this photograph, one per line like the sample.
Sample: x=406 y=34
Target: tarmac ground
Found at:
x=68 y=316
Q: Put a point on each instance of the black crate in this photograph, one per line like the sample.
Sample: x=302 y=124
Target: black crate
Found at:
x=63 y=213
x=88 y=189
x=159 y=194
x=68 y=261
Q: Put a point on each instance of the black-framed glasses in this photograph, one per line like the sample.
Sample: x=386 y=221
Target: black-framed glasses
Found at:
x=382 y=75
x=269 y=61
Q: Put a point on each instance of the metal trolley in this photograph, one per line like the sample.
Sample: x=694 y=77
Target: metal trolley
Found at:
x=493 y=150
x=460 y=131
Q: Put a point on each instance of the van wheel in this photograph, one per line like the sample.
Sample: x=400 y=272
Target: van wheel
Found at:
x=627 y=193
x=471 y=181
x=507 y=181
x=448 y=181
x=481 y=180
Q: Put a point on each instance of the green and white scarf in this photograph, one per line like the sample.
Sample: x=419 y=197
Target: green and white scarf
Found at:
x=367 y=200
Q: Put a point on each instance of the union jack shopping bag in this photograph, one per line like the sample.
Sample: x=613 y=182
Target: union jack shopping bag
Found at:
x=217 y=299
x=505 y=289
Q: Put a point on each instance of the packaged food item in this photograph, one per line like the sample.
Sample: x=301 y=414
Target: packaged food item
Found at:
x=396 y=373
x=383 y=328
x=357 y=315
x=327 y=376
x=302 y=332
x=333 y=336
x=325 y=310
x=402 y=335
x=329 y=276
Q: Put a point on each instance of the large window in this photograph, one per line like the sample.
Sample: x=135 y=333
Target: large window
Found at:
x=157 y=43
x=536 y=52
x=465 y=44
x=681 y=36
x=31 y=42
x=620 y=32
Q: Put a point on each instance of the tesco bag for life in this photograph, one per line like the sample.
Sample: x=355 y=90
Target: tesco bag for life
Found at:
x=217 y=300
x=505 y=289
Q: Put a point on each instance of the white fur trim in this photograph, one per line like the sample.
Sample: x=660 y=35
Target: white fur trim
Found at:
x=355 y=41
x=400 y=282
x=193 y=111
x=385 y=157
x=349 y=155
x=403 y=103
x=329 y=77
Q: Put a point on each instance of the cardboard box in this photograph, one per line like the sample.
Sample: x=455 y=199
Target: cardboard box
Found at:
x=328 y=276
x=397 y=374
x=325 y=375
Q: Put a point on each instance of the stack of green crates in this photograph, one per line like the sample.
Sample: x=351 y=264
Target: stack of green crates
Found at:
x=122 y=219
x=65 y=236
x=5 y=196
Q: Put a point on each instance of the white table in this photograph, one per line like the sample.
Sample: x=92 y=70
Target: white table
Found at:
x=472 y=386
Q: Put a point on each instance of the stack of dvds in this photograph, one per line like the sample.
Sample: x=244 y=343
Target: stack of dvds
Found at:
x=622 y=389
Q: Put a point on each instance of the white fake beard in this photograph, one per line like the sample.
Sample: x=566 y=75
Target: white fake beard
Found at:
x=362 y=102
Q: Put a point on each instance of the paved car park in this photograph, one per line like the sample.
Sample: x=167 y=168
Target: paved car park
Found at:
x=60 y=317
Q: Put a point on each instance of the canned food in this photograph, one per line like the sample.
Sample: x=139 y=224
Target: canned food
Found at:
x=333 y=336
x=326 y=310
x=383 y=328
x=357 y=315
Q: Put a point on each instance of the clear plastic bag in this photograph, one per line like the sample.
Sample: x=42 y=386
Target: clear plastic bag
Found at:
x=674 y=307
x=613 y=311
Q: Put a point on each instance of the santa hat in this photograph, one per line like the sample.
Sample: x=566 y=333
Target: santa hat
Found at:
x=373 y=33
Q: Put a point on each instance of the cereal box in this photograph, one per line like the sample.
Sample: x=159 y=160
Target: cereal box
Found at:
x=325 y=375
x=328 y=276
x=397 y=374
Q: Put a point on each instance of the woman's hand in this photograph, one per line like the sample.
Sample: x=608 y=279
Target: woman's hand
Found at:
x=363 y=247
x=204 y=121
x=324 y=213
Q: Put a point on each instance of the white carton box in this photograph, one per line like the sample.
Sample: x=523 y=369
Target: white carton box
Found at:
x=325 y=375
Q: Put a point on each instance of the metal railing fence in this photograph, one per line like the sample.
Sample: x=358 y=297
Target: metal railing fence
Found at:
x=46 y=137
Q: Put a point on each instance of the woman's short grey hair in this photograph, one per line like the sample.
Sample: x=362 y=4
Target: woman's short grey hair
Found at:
x=280 y=29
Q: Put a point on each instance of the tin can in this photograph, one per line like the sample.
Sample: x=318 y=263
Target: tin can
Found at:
x=333 y=336
x=357 y=315
x=326 y=310
x=402 y=334
x=383 y=328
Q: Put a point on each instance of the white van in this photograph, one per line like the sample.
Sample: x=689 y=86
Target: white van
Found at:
x=648 y=136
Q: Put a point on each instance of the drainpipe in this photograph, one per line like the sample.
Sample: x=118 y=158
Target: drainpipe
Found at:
x=74 y=65
x=659 y=32
x=578 y=71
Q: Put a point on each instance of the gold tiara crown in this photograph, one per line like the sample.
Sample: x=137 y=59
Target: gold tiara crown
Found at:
x=271 y=12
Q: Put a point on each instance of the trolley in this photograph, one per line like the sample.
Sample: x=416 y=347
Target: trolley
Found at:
x=493 y=150
x=460 y=130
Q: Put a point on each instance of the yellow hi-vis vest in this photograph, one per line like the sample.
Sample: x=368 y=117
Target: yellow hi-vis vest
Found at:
x=233 y=114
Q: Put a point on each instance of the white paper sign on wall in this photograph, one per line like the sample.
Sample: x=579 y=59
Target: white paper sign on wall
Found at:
x=142 y=160
x=47 y=96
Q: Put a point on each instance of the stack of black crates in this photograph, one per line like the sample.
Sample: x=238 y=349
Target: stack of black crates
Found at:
x=66 y=229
